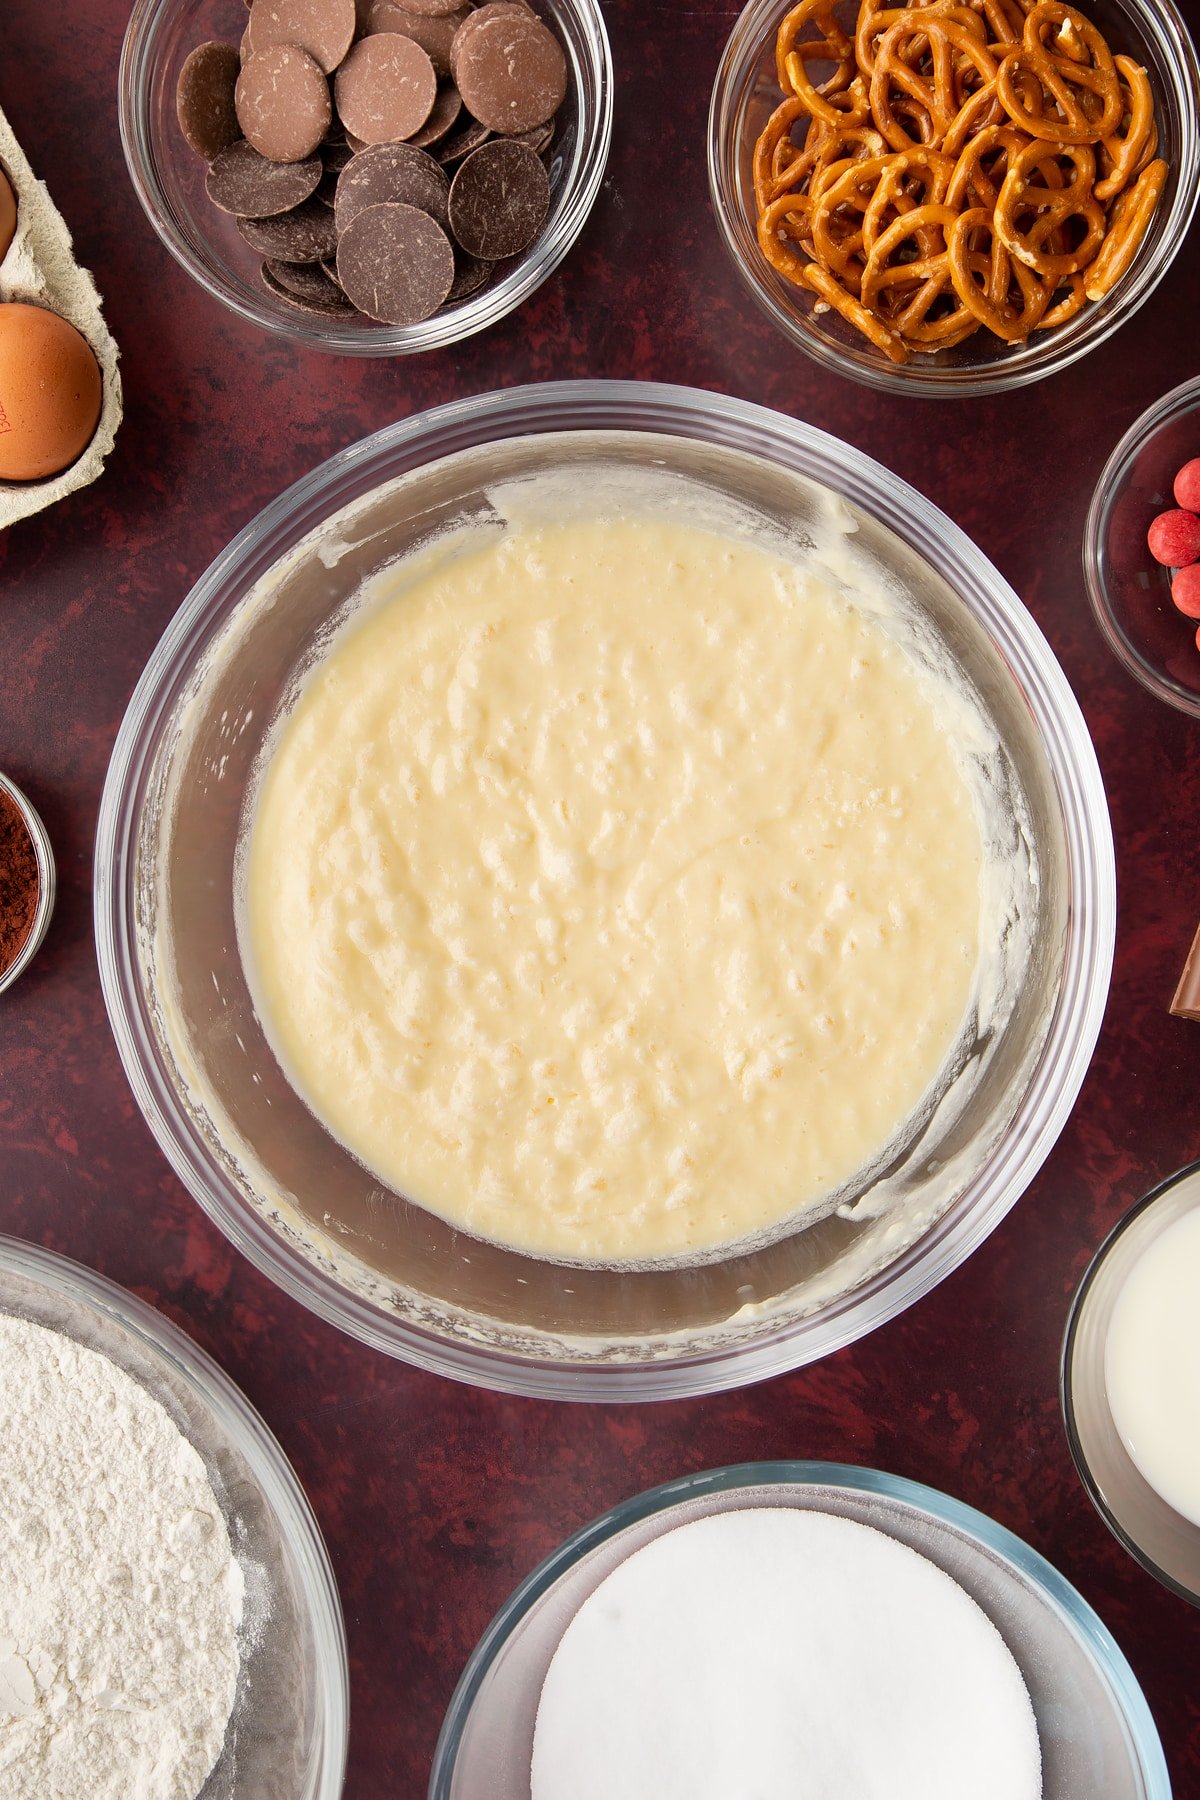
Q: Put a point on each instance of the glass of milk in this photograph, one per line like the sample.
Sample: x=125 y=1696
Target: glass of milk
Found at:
x=1131 y=1382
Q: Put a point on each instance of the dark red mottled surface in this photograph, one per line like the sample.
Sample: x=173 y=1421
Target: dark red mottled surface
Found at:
x=436 y=1499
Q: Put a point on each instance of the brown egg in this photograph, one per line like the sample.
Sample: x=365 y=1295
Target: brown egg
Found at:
x=8 y=214
x=50 y=392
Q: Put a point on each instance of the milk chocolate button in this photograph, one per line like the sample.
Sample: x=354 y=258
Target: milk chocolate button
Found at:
x=204 y=99
x=434 y=34
x=461 y=142
x=491 y=9
x=447 y=109
x=282 y=101
x=395 y=263
x=243 y=182
x=392 y=172
x=432 y=8
x=511 y=72
x=385 y=89
x=324 y=28
x=306 y=235
x=499 y=200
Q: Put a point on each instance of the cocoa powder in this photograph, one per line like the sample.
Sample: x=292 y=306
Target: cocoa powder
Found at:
x=20 y=882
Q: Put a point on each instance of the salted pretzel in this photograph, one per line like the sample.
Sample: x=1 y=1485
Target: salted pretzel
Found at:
x=954 y=166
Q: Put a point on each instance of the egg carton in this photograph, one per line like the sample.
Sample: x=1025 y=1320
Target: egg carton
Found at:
x=40 y=268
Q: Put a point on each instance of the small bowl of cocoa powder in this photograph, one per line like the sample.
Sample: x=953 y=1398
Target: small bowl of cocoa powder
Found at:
x=26 y=882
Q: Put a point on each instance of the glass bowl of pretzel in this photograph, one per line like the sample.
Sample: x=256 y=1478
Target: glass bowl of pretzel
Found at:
x=956 y=197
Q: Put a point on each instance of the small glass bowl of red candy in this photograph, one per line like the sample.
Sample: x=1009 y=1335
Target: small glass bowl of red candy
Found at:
x=1129 y=588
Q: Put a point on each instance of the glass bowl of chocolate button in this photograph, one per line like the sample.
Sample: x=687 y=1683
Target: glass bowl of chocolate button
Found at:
x=604 y=891
x=374 y=178
x=171 y=1621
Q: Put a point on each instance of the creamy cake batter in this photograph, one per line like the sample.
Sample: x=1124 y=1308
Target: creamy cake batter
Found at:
x=612 y=889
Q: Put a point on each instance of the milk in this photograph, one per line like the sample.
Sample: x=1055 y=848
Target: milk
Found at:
x=1152 y=1365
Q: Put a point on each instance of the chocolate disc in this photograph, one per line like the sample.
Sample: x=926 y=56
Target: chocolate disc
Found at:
x=242 y=182
x=395 y=263
x=308 y=280
x=392 y=172
x=204 y=99
x=335 y=155
x=432 y=8
x=471 y=274
x=385 y=89
x=305 y=235
x=539 y=139
x=326 y=301
x=324 y=28
x=510 y=71
x=447 y=109
x=499 y=200
x=435 y=34
x=460 y=143
x=491 y=9
x=282 y=101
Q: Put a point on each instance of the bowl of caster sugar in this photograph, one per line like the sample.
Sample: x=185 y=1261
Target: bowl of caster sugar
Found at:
x=169 y=1624
x=779 y=1628
x=1131 y=1382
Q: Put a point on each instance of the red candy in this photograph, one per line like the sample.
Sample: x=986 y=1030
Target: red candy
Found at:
x=1185 y=590
x=1187 y=485
x=1174 y=539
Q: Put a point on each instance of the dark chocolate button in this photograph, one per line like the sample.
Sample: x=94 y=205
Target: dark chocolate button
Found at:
x=395 y=263
x=499 y=200
x=461 y=142
x=435 y=34
x=324 y=28
x=306 y=235
x=385 y=89
x=392 y=173
x=282 y=101
x=326 y=301
x=308 y=280
x=447 y=109
x=335 y=155
x=471 y=274
x=204 y=99
x=242 y=182
x=510 y=71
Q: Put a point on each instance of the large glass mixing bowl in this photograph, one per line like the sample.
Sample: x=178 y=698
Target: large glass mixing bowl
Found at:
x=293 y=1198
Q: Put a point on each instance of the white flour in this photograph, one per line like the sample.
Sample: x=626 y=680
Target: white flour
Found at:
x=119 y=1593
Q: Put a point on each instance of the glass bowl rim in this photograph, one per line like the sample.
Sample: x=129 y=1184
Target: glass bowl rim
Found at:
x=244 y=1426
x=752 y=31
x=1172 y=405
x=1066 y=1382
x=739 y=425
x=478 y=313
x=914 y=1496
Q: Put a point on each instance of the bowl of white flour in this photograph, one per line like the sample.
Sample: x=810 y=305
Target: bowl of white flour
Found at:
x=169 y=1624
